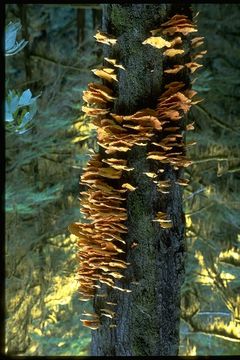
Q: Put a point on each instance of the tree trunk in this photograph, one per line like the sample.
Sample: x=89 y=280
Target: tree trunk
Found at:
x=80 y=26
x=147 y=319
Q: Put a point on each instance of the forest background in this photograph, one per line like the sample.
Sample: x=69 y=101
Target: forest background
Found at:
x=47 y=145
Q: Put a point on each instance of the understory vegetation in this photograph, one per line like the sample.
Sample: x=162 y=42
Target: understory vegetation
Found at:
x=48 y=142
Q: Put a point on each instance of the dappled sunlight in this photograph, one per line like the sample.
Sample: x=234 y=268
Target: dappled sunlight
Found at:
x=48 y=143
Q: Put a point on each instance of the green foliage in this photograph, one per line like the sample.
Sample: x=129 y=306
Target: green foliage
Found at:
x=212 y=202
x=27 y=201
x=69 y=339
x=12 y=47
x=19 y=111
x=42 y=182
x=43 y=166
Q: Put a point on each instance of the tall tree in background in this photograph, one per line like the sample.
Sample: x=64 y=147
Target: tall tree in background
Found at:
x=147 y=319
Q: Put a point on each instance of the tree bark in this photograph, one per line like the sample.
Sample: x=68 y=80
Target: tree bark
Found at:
x=80 y=26
x=147 y=319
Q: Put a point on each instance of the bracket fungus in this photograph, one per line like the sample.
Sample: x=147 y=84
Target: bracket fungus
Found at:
x=101 y=242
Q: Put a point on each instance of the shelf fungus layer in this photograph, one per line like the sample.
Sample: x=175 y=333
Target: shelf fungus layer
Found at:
x=101 y=238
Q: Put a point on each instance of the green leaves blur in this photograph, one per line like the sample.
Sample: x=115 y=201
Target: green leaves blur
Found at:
x=19 y=111
x=19 y=108
x=210 y=294
x=47 y=142
x=12 y=47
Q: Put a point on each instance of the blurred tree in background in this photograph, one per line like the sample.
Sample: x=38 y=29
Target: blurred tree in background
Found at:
x=43 y=166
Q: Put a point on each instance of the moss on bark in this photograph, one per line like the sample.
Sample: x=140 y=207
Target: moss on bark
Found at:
x=147 y=318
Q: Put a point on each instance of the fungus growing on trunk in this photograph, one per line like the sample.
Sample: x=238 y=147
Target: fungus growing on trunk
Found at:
x=101 y=239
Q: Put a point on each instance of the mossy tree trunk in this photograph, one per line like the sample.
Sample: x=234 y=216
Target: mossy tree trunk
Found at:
x=148 y=318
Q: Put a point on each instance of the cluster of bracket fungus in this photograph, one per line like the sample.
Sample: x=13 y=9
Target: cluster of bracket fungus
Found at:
x=101 y=239
x=175 y=101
